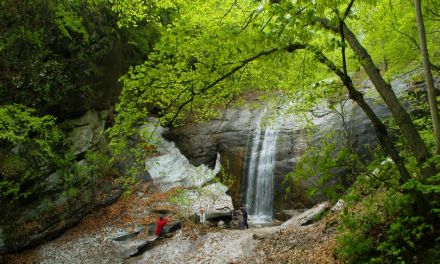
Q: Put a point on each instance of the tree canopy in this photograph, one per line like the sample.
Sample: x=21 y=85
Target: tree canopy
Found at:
x=212 y=52
x=192 y=59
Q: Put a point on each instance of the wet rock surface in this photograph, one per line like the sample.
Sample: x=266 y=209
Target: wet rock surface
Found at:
x=232 y=136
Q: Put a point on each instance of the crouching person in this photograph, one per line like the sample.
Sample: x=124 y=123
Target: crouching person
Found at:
x=159 y=226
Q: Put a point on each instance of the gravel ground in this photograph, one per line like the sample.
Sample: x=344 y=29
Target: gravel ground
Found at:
x=92 y=240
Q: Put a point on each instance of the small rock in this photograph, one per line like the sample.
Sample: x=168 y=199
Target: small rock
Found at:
x=340 y=204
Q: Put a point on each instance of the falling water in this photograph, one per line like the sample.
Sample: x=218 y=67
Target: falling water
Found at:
x=253 y=170
x=259 y=195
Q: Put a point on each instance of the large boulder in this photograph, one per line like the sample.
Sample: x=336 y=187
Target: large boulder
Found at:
x=47 y=217
x=86 y=131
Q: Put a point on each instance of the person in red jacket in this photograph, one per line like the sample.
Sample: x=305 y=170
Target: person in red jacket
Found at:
x=160 y=224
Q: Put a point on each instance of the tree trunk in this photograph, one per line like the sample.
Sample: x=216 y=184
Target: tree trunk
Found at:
x=422 y=205
x=381 y=132
x=433 y=106
x=402 y=118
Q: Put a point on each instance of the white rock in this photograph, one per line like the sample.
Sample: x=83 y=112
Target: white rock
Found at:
x=307 y=216
x=340 y=204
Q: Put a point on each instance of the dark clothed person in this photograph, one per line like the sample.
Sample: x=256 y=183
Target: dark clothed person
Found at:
x=245 y=217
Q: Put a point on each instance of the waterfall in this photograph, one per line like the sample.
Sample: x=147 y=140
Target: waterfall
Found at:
x=260 y=175
x=253 y=162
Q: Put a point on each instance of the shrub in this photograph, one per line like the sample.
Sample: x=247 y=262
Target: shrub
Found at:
x=30 y=146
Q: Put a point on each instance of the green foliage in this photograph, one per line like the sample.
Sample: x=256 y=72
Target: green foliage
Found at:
x=204 y=62
x=384 y=229
x=358 y=251
x=359 y=224
x=417 y=78
x=390 y=33
x=68 y=21
x=385 y=221
x=403 y=232
x=384 y=224
x=132 y=13
x=421 y=117
x=18 y=125
x=331 y=163
x=181 y=200
x=404 y=237
x=134 y=140
x=30 y=146
x=51 y=50
x=209 y=54
x=225 y=177
x=99 y=164
x=52 y=56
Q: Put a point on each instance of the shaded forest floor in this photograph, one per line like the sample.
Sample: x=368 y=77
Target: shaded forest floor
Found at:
x=91 y=241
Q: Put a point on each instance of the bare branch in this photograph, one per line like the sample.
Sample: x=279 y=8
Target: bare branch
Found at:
x=284 y=27
x=181 y=106
x=413 y=40
x=381 y=131
x=389 y=185
x=214 y=83
x=243 y=63
x=267 y=22
x=347 y=10
x=249 y=20
x=229 y=10
x=235 y=69
x=177 y=98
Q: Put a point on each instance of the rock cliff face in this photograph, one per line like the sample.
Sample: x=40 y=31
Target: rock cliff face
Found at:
x=46 y=216
x=231 y=138
x=53 y=210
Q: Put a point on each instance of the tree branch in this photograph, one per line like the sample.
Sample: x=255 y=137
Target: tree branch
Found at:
x=403 y=120
x=249 y=20
x=436 y=15
x=389 y=185
x=381 y=131
x=347 y=10
x=229 y=10
x=267 y=22
x=413 y=40
x=243 y=63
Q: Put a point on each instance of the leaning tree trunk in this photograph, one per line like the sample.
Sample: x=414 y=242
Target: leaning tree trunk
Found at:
x=422 y=205
x=381 y=131
x=433 y=106
x=402 y=118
